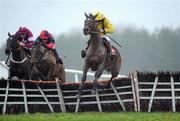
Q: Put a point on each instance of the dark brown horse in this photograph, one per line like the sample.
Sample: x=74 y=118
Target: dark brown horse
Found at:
x=19 y=67
x=44 y=66
x=97 y=56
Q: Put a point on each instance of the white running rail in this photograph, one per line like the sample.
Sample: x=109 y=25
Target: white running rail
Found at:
x=76 y=73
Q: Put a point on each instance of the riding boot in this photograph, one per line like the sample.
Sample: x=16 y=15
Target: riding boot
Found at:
x=27 y=50
x=58 y=59
x=83 y=52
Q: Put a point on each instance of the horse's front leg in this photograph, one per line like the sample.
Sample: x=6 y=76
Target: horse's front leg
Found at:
x=10 y=72
x=51 y=73
x=83 y=79
x=97 y=75
x=35 y=74
x=28 y=72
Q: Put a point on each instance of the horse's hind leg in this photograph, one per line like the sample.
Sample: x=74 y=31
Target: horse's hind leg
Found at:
x=114 y=74
x=115 y=68
x=97 y=75
x=51 y=73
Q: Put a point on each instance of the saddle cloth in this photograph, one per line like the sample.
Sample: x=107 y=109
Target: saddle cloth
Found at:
x=113 y=51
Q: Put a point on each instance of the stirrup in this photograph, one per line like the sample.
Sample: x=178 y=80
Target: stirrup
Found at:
x=83 y=53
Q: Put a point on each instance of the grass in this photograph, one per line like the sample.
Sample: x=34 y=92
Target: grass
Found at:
x=95 y=116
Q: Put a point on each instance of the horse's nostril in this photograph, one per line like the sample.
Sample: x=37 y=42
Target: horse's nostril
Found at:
x=7 y=51
x=86 y=29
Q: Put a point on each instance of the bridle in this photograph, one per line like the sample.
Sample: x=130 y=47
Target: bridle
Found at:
x=14 y=61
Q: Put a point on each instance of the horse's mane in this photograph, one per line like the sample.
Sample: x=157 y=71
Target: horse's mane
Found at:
x=91 y=15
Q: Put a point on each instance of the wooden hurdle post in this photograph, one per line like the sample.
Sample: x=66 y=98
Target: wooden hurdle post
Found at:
x=152 y=94
x=60 y=95
x=45 y=98
x=97 y=99
x=118 y=97
x=5 y=99
x=135 y=89
x=25 y=97
x=173 y=95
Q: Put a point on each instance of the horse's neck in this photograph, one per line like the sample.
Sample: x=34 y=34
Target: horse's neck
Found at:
x=95 y=40
x=18 y=55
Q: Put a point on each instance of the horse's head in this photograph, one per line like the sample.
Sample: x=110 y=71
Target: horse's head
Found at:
x=12 y=44
x=90 y=24
x=37 y=52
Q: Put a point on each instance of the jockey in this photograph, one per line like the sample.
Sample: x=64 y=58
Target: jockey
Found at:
x=25 y=38
x=105 y=27
x=46 y=38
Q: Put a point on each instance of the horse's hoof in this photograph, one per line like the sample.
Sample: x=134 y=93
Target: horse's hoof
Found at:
x=93 y=92
x=14 y=78
x=107 y=86
x=100 y=86
x=78 y=96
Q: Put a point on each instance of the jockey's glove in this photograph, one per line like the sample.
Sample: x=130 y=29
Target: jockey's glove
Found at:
x=101 y=30
x=45 y=45
x=22 y=44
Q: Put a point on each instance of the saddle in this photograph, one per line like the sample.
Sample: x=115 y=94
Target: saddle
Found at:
x=113 y=51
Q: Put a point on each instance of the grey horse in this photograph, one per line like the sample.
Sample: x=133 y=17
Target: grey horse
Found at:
x=97 y=58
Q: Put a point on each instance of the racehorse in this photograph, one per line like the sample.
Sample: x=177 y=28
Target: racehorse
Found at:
x=19 y=66
x=44 y=66
x=97 y=56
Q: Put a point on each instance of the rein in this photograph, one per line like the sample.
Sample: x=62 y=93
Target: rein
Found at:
x=18 y=48
x=94 y=32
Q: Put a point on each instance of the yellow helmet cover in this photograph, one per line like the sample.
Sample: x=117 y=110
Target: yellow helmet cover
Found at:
x=99 y=16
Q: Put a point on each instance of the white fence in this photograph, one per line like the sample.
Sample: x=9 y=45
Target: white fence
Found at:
x=141 y=92
x=25 y=96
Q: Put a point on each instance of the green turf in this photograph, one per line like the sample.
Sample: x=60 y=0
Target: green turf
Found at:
x=94 y=116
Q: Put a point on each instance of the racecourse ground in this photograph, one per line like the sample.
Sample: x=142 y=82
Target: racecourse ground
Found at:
x=95 y=116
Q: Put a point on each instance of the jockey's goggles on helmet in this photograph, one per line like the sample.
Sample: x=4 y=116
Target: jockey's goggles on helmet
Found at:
x=98 y=21
x=44 y=39
x=23 y=34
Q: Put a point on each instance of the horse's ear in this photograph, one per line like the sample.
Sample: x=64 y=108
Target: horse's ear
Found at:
x=9 y=34
x=95 y=16
x=86 y=15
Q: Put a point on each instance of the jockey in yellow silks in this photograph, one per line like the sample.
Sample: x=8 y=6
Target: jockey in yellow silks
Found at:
x=105 y=27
